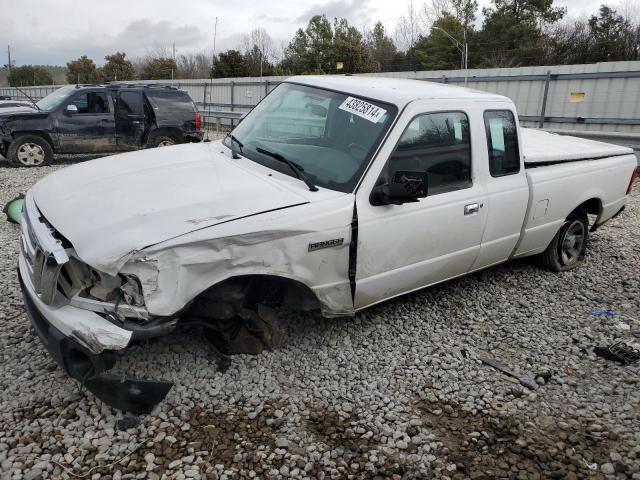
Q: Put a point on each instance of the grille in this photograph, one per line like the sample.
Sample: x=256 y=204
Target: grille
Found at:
x=44 y=253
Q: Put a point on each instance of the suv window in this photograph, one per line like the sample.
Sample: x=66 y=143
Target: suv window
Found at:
x=91 y=103
x=439 y=144
x=170 y=101
x=502 y=141
x=130 y=102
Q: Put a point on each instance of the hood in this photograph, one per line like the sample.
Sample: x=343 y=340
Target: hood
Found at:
x=114 y=206
x=20 y=112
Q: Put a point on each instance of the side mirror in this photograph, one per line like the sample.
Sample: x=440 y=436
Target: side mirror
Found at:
x=406 y=187
x=71 y=109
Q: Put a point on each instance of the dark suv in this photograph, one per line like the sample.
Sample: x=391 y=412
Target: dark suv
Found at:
x=98 y=119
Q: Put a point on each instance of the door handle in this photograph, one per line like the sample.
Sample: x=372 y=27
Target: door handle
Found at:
x=471 y=208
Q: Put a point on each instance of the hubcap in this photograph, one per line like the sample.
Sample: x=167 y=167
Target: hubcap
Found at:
x=166 y=143
x=572 y=243
x=30 y=154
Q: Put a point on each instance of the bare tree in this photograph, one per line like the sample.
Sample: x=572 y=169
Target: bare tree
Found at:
x=194 y=65
x=260 y=42
x=408 y=28
x=433 y=10
x=630 y=9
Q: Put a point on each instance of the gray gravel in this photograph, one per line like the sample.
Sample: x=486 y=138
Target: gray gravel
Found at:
x=396 y=392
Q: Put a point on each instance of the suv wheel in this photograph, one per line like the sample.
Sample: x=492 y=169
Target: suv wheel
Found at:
x=162 y=141
x=30 y=151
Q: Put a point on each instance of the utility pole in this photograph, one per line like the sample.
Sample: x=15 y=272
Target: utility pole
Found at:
x=466 y=58
x=215 y=34
x=174 y=51
x=9 y=57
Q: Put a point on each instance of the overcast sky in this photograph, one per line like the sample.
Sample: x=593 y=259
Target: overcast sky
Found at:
x=52 y=32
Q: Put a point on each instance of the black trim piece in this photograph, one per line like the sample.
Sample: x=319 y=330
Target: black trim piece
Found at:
x=583 y=120
x=353 y=252
x=560 y=162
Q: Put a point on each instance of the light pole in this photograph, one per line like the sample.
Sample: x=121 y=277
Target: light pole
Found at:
x=463 y=48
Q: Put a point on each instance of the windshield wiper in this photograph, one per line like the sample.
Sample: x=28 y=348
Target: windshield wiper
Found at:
x=295 y=168
x=234 y=154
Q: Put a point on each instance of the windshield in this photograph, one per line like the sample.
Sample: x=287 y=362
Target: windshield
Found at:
x=55 y=99
x=330 y=135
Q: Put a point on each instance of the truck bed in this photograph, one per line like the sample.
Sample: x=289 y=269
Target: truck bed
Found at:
x=544 y=148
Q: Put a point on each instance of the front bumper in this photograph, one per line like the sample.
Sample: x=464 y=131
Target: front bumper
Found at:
x=83 y=344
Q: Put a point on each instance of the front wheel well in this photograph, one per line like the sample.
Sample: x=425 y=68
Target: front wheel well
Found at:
x=16 y=135
x=248 y=291
x=237 y=314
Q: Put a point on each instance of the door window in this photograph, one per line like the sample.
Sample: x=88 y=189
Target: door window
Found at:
x=92 y=103
x=438 y=144
x=502 y=142
x=130 y=102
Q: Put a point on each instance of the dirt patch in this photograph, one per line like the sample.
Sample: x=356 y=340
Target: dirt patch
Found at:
x=487 y=447
x=344 y=436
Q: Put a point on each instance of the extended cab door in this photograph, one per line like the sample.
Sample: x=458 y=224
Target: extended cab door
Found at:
x=85 y=123
x=129 y=118
x=409 y=246
x=507 y=186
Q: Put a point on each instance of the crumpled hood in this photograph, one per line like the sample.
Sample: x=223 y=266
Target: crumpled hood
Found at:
x=112 y=207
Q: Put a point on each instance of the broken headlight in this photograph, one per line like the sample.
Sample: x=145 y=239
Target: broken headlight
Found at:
x=131 y=290
x=123 y=288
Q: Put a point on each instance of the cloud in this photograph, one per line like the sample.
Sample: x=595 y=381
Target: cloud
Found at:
x=136 y=38
x=356 y=11
x=269 y=18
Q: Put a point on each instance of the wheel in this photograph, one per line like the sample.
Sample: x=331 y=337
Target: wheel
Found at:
x=162 y=141
x=566 y=250
x=30 y=151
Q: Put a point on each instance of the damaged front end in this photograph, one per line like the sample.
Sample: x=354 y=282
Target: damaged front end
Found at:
x=82 y=316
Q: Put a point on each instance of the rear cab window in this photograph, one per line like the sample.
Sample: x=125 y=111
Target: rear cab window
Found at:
x=502 y=142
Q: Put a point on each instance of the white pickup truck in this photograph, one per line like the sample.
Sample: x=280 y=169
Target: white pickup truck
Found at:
x=334 y=193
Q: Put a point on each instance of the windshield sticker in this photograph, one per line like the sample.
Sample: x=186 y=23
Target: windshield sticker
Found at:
x=363 y=109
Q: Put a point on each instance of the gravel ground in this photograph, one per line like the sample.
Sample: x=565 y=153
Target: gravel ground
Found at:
x=396 y=392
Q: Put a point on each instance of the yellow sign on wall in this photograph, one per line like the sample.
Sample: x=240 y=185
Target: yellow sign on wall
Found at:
x=339 y=65
x=576 y=97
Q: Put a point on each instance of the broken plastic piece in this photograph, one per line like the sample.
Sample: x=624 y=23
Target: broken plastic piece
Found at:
x=129 y=420
x=524 y=380
x=13 y=209
x=619 y=352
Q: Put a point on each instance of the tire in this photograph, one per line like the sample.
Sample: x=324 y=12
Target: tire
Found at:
x=30 y=151
x=567 y=249
x=162 y=140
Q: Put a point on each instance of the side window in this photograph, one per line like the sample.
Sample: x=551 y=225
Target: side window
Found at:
x=438 y=144
x=502 y=141
x=91 y=102
x=130 y=102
